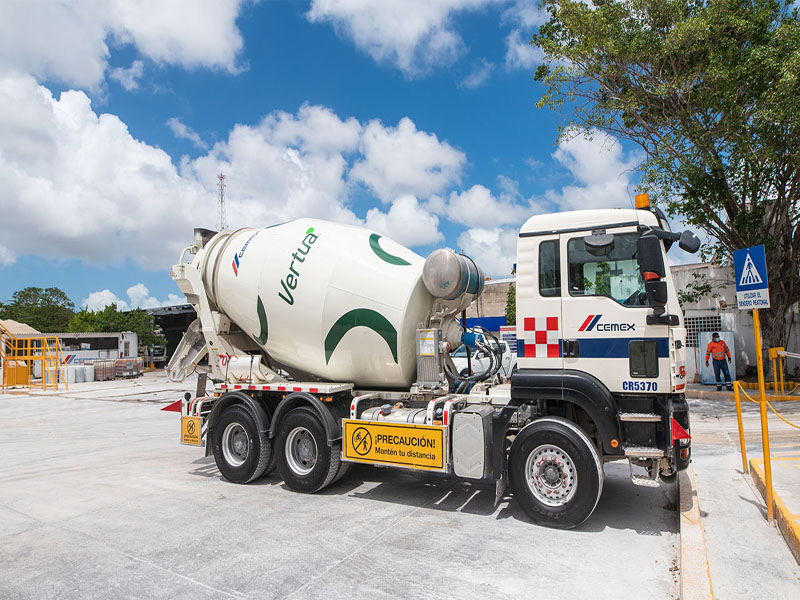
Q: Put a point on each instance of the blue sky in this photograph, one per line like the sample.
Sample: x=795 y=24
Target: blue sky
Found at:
x=412 y=117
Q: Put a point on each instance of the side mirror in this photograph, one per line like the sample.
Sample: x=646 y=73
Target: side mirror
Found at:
x=599 y=243
x=689 y=242
x=656 y=293
x=650 y=257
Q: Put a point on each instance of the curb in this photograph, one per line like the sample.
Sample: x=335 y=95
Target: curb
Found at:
x=695 y=575
x=787 y=524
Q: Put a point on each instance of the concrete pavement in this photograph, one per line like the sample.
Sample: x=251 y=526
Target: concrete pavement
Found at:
x=99 y=500
x=747 y=557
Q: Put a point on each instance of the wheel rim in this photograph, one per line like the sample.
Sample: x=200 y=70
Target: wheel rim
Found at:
x=551 y=475
x=235 y=444
x=301 y=451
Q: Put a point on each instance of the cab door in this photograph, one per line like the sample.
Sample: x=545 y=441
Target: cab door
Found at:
x=604 y=309
x=539 y=288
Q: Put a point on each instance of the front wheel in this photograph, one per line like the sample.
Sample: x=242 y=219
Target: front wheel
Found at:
x=555 y=473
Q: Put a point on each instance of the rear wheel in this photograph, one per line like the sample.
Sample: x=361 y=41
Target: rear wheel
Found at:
x=555 y=473
x=305 y=460
x=240 y=450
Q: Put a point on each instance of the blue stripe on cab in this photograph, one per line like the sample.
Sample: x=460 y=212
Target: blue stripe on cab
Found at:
x=617 y=347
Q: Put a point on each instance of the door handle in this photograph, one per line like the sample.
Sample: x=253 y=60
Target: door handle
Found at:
x=572 y=348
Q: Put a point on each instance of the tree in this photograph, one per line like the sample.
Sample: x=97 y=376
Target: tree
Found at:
x=511 y=301
x=111 y=319
x=47 y=310
x=708 y=90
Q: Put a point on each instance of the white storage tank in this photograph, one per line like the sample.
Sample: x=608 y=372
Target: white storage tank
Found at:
x=340 y=302
x=67 y=374
x=89 y=372
x=80 y=374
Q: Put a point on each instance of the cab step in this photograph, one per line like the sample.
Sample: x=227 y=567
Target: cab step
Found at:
x=643 y=452
x=639 y=417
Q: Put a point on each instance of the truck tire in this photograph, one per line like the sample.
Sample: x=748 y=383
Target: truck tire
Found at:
x=555 y=473
x=305 y=461
x=240 y=450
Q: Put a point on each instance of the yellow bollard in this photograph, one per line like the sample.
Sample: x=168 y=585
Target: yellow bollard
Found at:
x=764 y=429
x=780 y=370
x=741 y=427
x=774 y=373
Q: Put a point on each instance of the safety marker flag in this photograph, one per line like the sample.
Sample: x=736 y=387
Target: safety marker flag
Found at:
x=678 y=432
x=174 y=407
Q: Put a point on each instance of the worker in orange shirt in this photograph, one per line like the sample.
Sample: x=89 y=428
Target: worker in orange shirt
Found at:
x=718 y=350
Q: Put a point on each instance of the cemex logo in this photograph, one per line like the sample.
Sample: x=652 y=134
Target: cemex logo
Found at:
x=236 y=257
x=592 y=322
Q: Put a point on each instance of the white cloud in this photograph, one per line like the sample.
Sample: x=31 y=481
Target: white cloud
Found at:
x=526 y=13
x=493 y=249
x=69 y=41
x=183 y=131
x=83 y=183
x=520 y=54
x=601 y=167
x=128 y=78
x=99 y=300
x=406 y=222
x=479 y=75
x=411 y=35
x=477 y=207
x=402 y=160
x=138 y=297
x=6 y=257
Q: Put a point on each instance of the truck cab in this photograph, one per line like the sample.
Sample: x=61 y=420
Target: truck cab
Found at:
x=600 y=336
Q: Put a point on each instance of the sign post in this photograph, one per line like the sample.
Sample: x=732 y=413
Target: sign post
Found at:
x=752 y=292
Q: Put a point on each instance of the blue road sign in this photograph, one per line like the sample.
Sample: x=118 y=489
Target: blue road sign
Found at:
x=750 y=266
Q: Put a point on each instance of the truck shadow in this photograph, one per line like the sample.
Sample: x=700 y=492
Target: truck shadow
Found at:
x=622 y=506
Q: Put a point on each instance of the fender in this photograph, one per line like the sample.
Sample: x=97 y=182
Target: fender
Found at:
x=333 y=428
x=577 y=387
x=229 y=399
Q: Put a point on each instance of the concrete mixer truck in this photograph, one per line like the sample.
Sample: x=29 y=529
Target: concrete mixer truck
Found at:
x=330 y=345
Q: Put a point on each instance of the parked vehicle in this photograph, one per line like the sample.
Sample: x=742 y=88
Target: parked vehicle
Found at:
x=481 y=359
x=365 y=328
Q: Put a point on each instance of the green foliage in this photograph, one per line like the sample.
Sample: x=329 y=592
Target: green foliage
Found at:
x=47 y=310
x=708 y=90
x=602 y=279
x=698 y=288
x=110 y=319
x=511 y=302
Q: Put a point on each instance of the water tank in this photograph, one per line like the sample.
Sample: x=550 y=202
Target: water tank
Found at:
x=340 y=302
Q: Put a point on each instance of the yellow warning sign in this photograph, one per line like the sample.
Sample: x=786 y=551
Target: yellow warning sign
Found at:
x=190 y=431
x=398 y=444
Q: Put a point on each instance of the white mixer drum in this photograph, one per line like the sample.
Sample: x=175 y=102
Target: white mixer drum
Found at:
x=337 y=301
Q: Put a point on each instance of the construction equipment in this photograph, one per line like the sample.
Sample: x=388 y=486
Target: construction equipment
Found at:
x=329 y=344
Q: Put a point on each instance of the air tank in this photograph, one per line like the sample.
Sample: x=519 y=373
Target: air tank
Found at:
x=340 y=302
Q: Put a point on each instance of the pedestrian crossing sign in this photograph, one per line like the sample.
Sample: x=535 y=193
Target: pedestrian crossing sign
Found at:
x=750 y=267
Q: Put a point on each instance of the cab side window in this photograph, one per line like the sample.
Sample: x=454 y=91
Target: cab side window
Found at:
x=615 y=275
x=549 y=269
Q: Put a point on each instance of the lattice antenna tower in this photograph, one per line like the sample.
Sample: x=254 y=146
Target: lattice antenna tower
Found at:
x=222 y=222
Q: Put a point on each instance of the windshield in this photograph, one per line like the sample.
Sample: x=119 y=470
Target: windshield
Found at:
x=615 y=275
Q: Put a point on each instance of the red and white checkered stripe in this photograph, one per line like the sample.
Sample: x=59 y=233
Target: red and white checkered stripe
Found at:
x=540 y=336
x=315 y=388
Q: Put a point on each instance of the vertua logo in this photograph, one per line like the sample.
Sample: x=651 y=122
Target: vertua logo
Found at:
x=592 y=322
